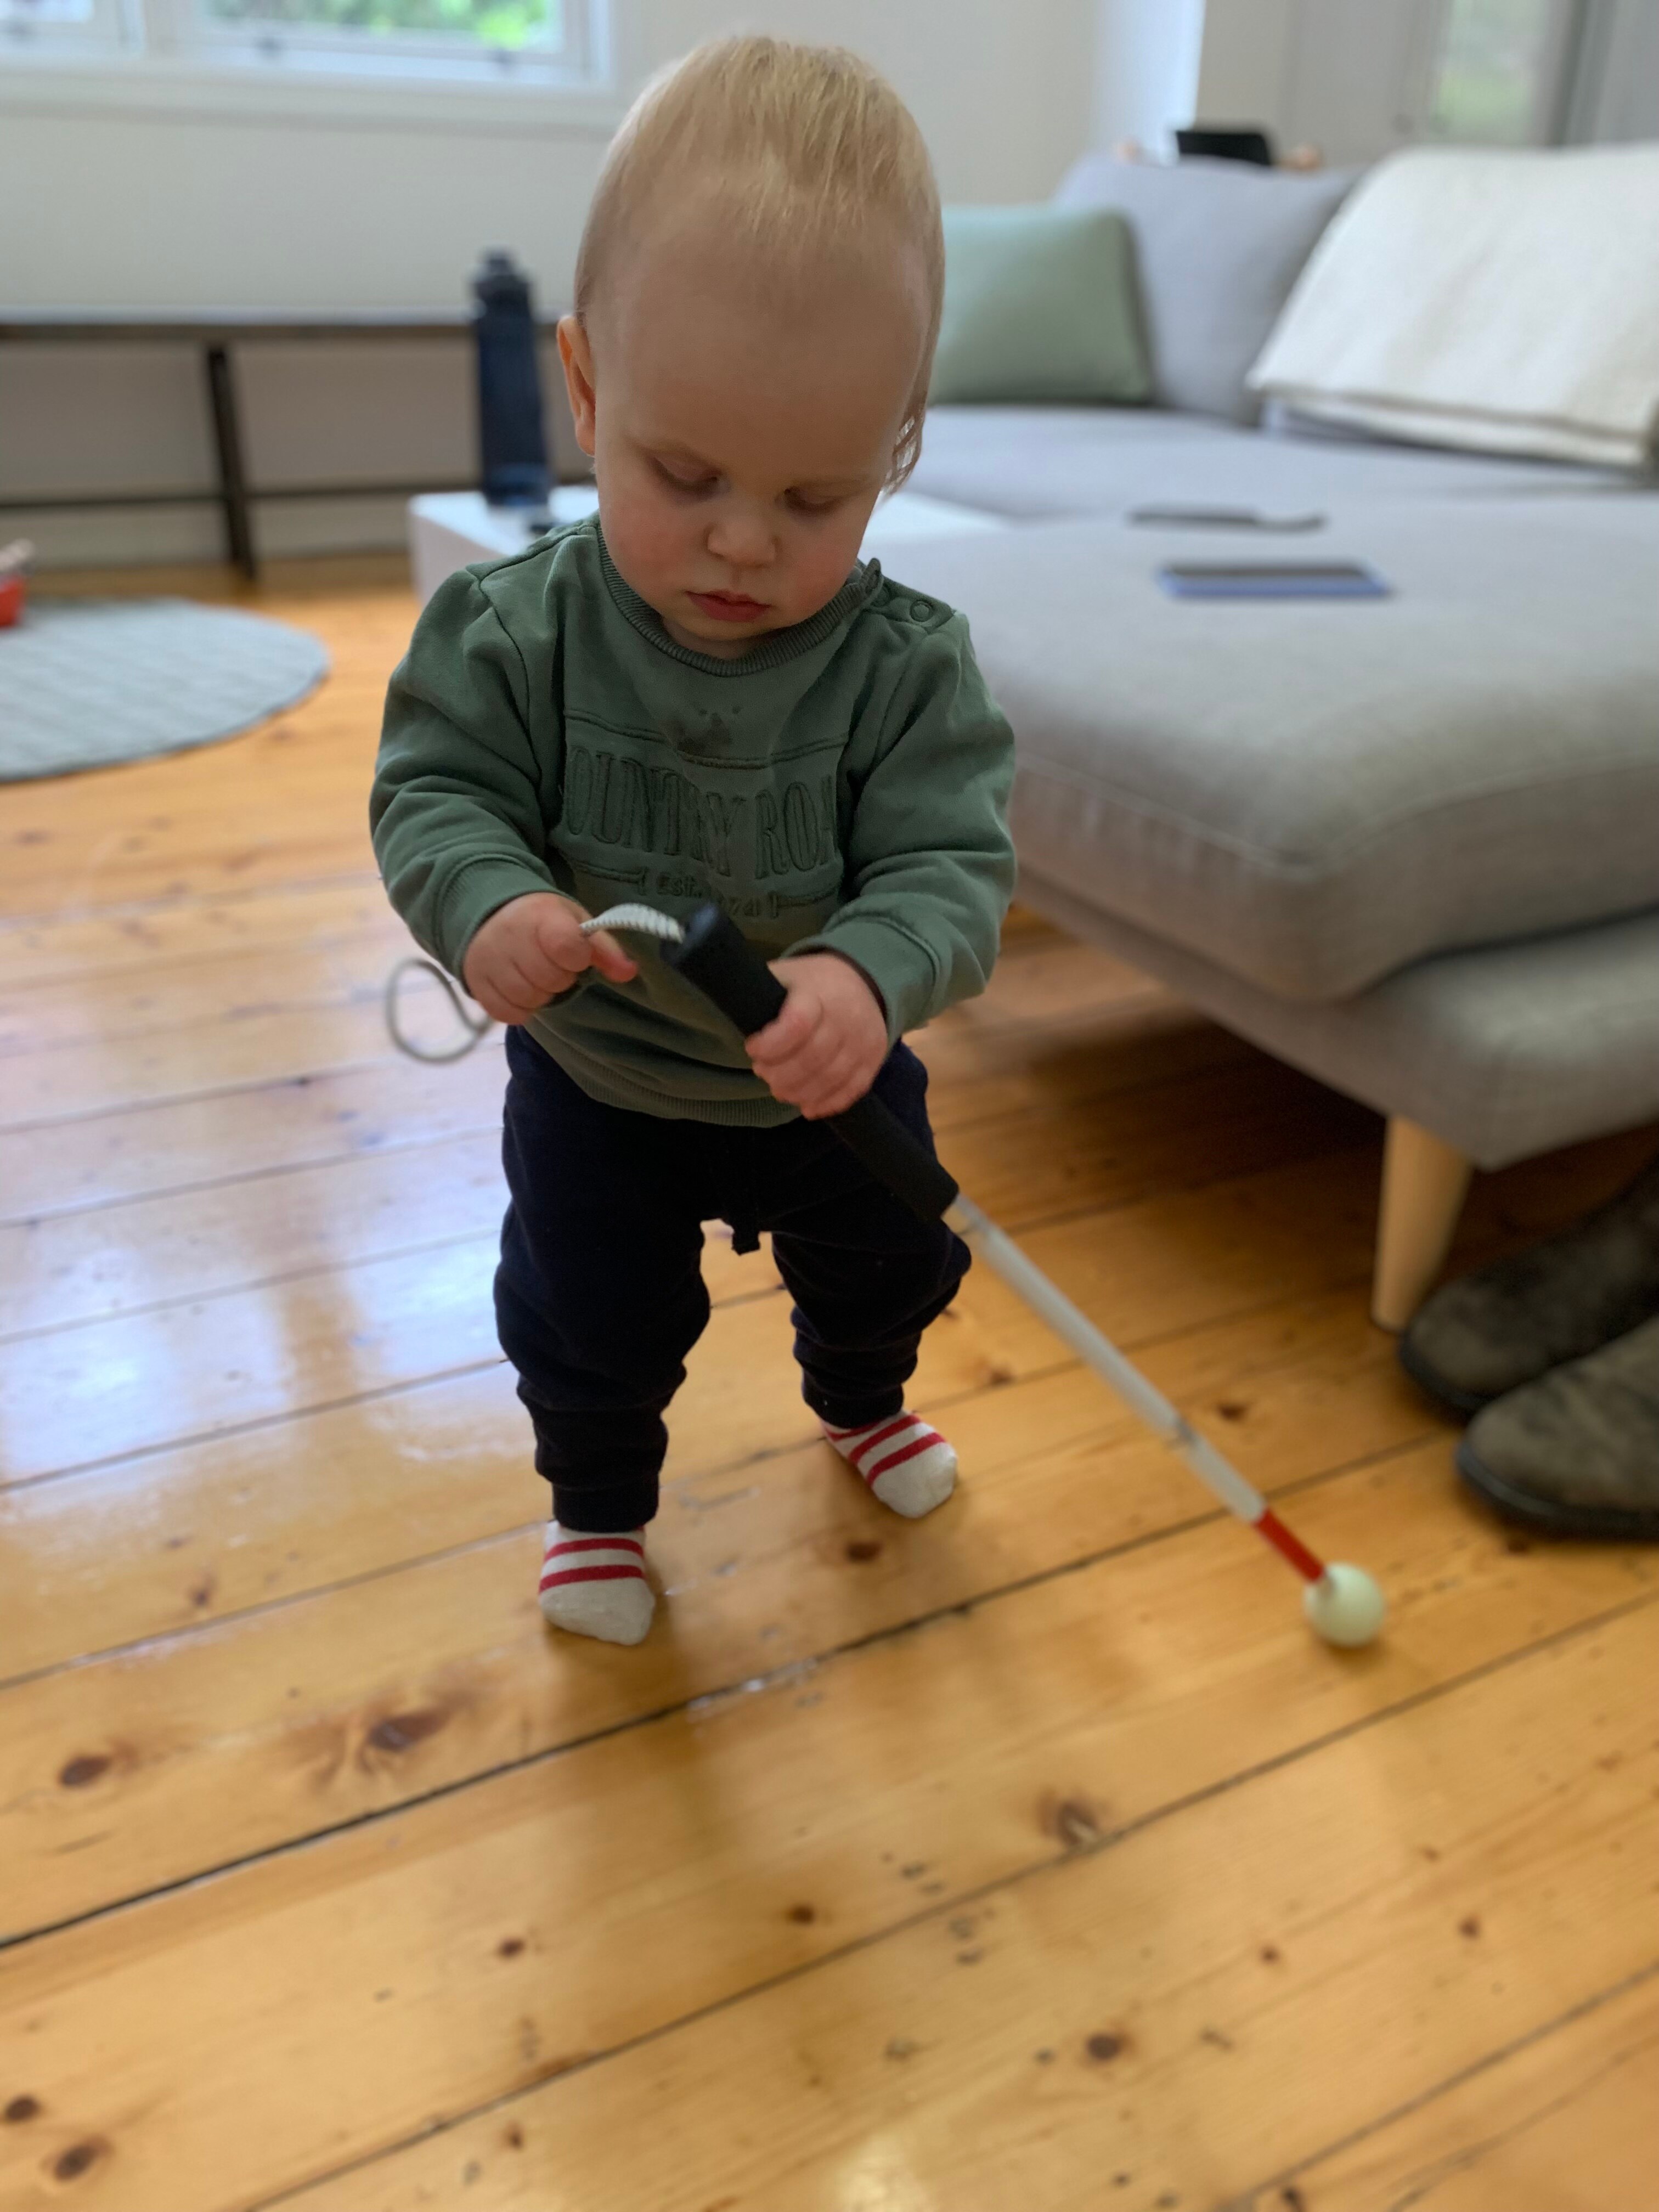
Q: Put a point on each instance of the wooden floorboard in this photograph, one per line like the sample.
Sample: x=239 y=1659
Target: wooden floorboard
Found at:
x=1406 y=1901
x=797 y=1562
x=151 y=1381
x=306 y=1118
x=215 y=1530
x=183 y=996
x=56 y=1274
x=1382 y=1916
x=1568 y=2117
x=301 y=1338
x=90 y=946
x=1030 y=1856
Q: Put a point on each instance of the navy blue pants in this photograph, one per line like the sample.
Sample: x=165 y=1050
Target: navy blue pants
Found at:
x=599 y=1295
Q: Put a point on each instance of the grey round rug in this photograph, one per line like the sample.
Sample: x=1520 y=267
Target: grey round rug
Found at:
x=85 y=683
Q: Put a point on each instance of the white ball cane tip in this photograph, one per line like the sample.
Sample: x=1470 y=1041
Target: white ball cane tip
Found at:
x=1345 y=1606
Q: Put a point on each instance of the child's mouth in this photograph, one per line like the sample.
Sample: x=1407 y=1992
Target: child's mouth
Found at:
x=727 y=606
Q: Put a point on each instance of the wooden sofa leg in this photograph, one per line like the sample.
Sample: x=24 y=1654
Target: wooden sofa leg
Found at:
x=1423 y=1182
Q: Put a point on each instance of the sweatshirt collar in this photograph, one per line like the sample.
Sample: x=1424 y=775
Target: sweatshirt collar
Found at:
x=776 y=648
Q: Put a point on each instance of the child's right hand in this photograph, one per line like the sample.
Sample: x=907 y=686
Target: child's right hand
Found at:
x=532 y=949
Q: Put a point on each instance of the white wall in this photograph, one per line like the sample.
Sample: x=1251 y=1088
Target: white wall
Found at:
x=1331 y=73
x=1244 y=60
x=191 y=209
x=1146 y=66
x=1620 y=99
x=1352 y=75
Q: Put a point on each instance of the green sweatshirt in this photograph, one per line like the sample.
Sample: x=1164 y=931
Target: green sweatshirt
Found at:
x=842 y=787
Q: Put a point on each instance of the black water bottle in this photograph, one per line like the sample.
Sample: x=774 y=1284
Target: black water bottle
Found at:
x=512 y=444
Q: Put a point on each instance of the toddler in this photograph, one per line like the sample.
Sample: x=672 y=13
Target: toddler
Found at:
x=702 y=694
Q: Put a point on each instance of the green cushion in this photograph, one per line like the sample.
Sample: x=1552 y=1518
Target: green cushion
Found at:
x=1041 y=303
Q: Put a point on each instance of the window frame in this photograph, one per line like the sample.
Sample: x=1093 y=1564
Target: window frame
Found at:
x=1550 y=93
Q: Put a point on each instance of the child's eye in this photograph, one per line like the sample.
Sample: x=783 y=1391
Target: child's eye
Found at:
x=805 y=504
x=693 y=485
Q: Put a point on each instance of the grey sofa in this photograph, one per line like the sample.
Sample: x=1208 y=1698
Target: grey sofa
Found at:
x=1411 y=845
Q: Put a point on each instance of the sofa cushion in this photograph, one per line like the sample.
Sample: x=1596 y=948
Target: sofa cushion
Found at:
x=1040 y=304
x=1312 y=794
x=1048 y=462
x=1218 y=246
x=1504 y=1052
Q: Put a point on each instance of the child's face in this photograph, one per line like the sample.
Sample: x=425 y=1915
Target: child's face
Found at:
x=740 y=440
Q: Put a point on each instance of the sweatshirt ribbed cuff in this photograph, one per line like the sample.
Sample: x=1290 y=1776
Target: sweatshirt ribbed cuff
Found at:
x=902 y=968
x=473 y=893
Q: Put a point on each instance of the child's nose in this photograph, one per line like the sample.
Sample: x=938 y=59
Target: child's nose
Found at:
x=742 y=536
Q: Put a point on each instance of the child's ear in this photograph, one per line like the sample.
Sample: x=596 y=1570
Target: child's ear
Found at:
x=577 y=356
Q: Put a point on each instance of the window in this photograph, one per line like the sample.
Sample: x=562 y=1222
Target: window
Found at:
x=505 y=36
x=61 y=26
x=1498 y=72
x=530 y=41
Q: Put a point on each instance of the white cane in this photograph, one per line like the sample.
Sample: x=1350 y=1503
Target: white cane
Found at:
x=1341 y=1603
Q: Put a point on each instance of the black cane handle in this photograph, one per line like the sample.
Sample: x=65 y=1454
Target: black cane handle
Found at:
x=716 y=956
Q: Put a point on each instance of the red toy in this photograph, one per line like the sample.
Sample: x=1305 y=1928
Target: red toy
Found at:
x=14 y=585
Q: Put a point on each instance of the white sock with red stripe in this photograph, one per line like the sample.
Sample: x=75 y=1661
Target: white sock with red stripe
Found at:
x=908 y=1466
x=596 y=1585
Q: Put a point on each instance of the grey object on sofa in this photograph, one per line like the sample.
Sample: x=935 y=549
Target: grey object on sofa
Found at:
x=1219 y=245
x=1410 y=845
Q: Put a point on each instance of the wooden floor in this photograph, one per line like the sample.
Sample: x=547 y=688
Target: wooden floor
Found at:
x=1033 y=1859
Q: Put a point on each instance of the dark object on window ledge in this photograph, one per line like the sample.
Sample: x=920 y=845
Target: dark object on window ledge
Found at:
x=1226 y=141
x=511 y=442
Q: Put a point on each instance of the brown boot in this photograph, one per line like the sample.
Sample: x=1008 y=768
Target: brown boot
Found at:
x=1577 y=1452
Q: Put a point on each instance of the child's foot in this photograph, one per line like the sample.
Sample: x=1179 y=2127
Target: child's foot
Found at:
x=596 y=1585
x=908 y=1466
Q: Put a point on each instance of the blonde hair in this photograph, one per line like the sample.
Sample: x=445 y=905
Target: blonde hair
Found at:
x=801 y=147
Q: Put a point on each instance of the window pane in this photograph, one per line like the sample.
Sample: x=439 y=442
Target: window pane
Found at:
x=45 y=11
x=1492 y=55
x=478 y=23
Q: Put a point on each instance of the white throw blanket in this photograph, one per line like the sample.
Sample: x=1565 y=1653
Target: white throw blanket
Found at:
x=1506 y=301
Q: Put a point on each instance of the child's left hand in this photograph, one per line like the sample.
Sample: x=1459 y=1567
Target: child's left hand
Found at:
x=825 y=1049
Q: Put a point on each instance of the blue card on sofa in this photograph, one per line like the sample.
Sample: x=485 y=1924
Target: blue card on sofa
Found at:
x=1272 y=580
